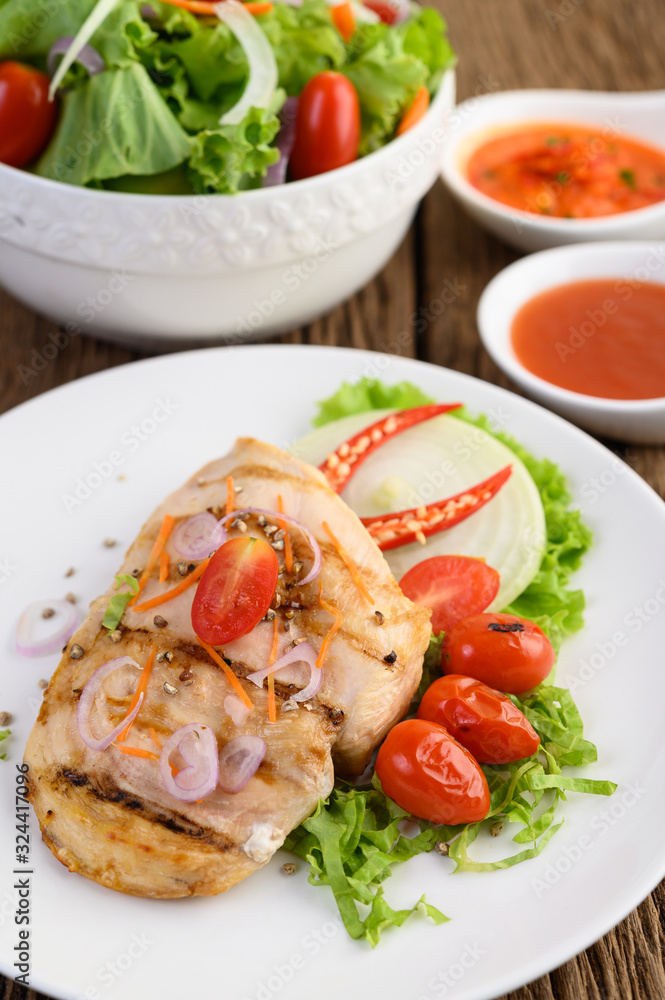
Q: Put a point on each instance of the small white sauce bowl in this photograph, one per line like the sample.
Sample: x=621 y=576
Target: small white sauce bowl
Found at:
x=160 y=272
x=640 y=421
x=640 y=116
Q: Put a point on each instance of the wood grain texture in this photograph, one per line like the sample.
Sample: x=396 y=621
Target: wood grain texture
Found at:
x=423 y=305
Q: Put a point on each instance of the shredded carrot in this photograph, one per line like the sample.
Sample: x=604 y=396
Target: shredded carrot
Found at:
x=141 y=689
x=203 y=7
x=344 y=20
x=164 y=564
x=239 y=689
x=230 y=495
x=288 y=550
x=415 y=111
x=155 y=739
x=157 y=549
x=349 y=563
x=328 y=638
x=256 y=8
x=272 y=707
x=138 y=752
x=180 y=588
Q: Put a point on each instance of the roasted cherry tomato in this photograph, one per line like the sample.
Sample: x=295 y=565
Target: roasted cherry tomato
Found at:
x=27 y=118
x=425 y=771
x=235 y=591
x=327 y=126
x=452 y=586
x=508 y=653
x=483 y=720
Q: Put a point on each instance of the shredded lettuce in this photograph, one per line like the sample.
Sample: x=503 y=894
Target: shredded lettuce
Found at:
x=4 y=735
x=119 y=602
x=354 y=837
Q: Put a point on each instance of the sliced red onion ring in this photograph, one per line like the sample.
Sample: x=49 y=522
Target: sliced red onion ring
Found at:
x=197 y=746
x=302 y=653
x=311 y=540
x=239 y=761
x=198 y=536
x=88 y=57
x=287 y=134
x=59 y=628
x=236 y=709
x=148 y=12
x=87 y=699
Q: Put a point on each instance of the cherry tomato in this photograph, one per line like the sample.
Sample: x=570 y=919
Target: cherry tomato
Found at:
x=483 y=720
x=27 y=118
x=327 y=126
x=425 y=771
x=387 y=11
x=506 y=652
x=452 y=586
x=235 y=591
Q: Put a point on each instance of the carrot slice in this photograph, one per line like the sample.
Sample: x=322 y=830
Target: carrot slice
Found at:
x=272 y=707
x=330 y=635
x=180 y=588
x=349 y=563
x=257 y=9
x=230 y=495
x=164 y=564
x=157 y=549
x=288 y=549
x=235 y=683
x=141 y=689
x=416 y=110
x=138 y=752
x=344 y=20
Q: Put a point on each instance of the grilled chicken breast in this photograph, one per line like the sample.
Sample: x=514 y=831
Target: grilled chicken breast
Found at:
x=107 y=814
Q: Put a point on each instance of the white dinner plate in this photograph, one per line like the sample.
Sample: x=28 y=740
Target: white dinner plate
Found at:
x=118 y=442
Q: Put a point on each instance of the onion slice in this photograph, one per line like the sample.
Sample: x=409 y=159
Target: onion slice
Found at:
x=236 y=709
x=97 y=16
x=239 y=761
x=197 y=745
x=276 y=173
x=263 y=75
x=88 y=57
x=61 y=630
x=311 y=540
x=87 y=699
x=302 y=653
x=198 y=536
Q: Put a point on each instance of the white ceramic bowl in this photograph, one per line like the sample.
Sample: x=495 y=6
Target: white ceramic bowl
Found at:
x=158 y=271
x=639 y=421
x=641 y=115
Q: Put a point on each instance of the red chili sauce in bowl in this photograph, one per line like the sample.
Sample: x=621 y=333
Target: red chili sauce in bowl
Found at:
x=570 y=171
x=598 y=337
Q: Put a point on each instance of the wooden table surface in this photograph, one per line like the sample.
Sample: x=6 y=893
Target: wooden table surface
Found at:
x=502 y=44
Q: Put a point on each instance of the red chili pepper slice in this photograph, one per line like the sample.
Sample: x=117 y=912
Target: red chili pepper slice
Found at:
x=340 y=465
x=392 y=530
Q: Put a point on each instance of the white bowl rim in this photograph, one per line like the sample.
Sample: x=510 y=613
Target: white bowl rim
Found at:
x=347 y=172
x=455 y=179
x=510 y=363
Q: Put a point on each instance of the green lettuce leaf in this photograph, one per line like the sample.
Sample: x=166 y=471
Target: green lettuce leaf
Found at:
x=115 y=124
x=4 y=735
x=231 y=157
x=369 y=394
x=119 y=602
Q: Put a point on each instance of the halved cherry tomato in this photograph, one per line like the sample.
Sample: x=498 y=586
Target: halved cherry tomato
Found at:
x=483 y=720
x=235 y=591
x=506 y=652
x=452 y=586
x=327 y=126
x=27 y=118
x=425 y=771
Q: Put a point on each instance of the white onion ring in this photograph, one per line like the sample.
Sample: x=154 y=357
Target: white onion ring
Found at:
x=88 y=57
x=239 y=761
x=200 y=775
x=87 y=699
x=53 y=642
x=198 y=536
x=311 y=540
x=95 y=18
x=236 y=709
x=263 y=75
x=302 y=653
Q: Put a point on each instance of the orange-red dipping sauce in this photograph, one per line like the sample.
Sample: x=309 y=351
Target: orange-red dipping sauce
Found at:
x=570 y=171
x=601 y=338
